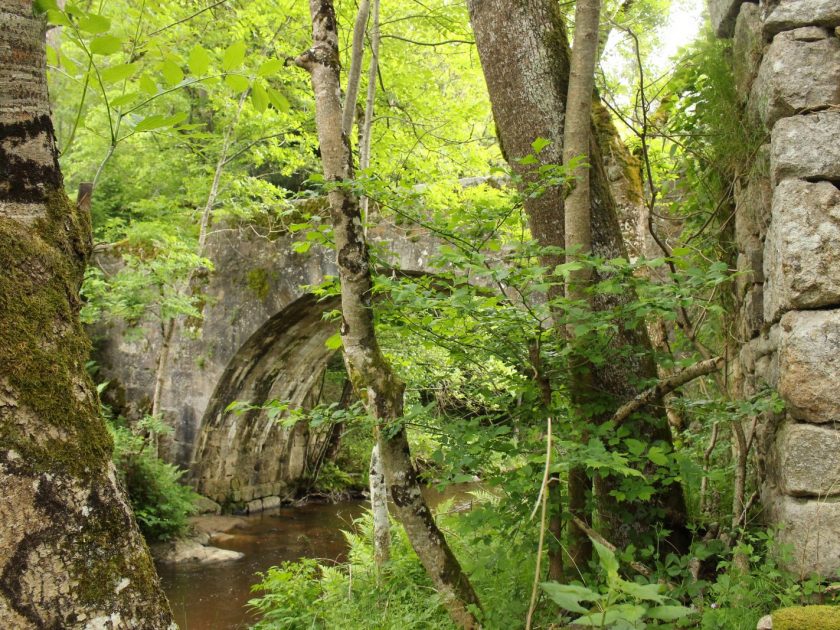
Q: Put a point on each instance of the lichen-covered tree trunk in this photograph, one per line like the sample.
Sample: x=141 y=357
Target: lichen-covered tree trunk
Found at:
x=526 y=67
x=367 y=365
x=379 y=508
x=71 y=555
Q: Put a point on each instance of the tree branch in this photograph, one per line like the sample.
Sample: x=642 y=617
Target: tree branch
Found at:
x=666 y=386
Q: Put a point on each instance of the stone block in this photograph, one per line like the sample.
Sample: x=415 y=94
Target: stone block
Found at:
x=809 y=364
x=254 y=506
x=271 y=502
x=767 y=371
x=753 y=199
x=787 y=15
x=812 y=528
x=810 y=33
x=808 y=460
x=752 y=312
x=723 y=14
x=806 y=147
x=802 y=248
x=796 y=75
x=747 y=47
x=749 y=268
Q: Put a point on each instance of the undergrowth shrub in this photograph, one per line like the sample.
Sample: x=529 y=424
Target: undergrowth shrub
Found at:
x=160 y=502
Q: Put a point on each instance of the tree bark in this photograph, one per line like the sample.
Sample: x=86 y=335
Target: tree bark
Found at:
x=578 y=239
x=71 y=555
x=379 y=508
x=368 y=368
x=526 y=67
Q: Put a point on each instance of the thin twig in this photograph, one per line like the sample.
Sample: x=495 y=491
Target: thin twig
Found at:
x=544 y=502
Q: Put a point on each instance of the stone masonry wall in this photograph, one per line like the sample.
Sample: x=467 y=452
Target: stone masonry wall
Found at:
x=786 y=61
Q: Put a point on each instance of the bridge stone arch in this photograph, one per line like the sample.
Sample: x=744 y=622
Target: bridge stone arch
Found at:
x=261 y=337
x=249 y=456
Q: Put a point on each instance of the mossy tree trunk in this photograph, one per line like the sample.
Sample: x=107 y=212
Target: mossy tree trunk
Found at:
x=526 y=67
x=368 y=368
x=71 y=555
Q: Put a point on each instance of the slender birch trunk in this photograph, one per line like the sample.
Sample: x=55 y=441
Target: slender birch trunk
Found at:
x=71 y=555
x=368 y=368
x=578 y=239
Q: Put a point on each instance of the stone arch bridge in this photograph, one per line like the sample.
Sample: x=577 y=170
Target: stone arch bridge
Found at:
x=262 y=337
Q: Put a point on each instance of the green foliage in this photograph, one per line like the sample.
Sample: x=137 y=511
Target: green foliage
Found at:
x=161 y=504
x=619 y=603
x=307 y=594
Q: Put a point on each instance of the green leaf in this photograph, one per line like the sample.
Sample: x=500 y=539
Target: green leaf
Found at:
x=93 y=23
x=624 y=612
x=278 y=101
x=645 y=592
x=269 y=67
x=157 y=121
x=58 y=18
x=569 y=596
x=334 y=342
x=105 y=45
x=124 y=99
x=606 y=559
x=636 y=447
x=259 y=97
x=539 y=144
x=148 y=85
x=42 y=6
x=668 y=613
x=113 y=74
x=172 y=73
x=657 y=456
x=234 y=56
x=199 y=60
x=301 y=247
x=236 y=82
x=149 y=123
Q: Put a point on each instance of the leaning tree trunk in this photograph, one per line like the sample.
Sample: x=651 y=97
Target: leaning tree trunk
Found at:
x=526 y=67
x=367 y=365
x=71 y=555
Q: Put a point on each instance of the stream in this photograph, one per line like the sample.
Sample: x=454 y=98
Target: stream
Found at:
x=215 y=597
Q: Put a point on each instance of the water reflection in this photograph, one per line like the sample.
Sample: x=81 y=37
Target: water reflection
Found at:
x=214 y=597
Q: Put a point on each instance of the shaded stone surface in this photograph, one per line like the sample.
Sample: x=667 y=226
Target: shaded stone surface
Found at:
x=723 y=14
x=790 y=14
x=753 y=201
x=809 y=364
x=746 y=48
x=808 y=460
x=802 y=249
x=812 y=528
x=797 y=73
x=806 y=147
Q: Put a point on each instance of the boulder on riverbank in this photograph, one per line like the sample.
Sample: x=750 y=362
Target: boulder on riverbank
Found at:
x=192 y=551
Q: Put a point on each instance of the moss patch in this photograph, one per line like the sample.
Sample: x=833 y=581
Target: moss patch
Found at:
x=53 y=420
x=807 y=618
x=258 y=282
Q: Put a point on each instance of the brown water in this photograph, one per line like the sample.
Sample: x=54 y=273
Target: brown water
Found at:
x=214 y=597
